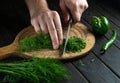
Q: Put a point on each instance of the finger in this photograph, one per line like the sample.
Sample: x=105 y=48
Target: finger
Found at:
x=82 y=8
x=52 y=31
x=76 y=14
x=86 y=5
x=35 y=25
x=58 y=26
x=65 y=12
x=80 y=13
x=43 y=25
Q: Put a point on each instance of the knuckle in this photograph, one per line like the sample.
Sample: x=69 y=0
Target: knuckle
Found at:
x=59 y=29
x=53 y=30
x=47 y=15
x=39 y=16
x=82 y=6
x=55 y=14
x=75 y=4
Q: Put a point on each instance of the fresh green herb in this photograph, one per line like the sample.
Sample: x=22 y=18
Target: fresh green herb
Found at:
x=43 y=41
x=75 y=44
x=92 y=60
x=39 y=42
x=33 y=71
x=81 y=63
x=109 y=42
x=100 y=25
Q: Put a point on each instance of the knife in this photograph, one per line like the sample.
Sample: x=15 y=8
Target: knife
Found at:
x=67 y=35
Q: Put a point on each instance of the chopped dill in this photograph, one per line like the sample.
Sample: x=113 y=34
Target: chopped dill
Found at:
x=75 y=44
x=92 y=60
x=39 y=42
x=43 y=41
x=81 y=63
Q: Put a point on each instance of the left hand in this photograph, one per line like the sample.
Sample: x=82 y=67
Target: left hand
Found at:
x=73 y=7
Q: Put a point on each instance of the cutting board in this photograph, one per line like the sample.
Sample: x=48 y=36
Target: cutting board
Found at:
x=77 y=29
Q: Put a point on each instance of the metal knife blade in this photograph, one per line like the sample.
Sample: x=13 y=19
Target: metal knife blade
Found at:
x=67 y=35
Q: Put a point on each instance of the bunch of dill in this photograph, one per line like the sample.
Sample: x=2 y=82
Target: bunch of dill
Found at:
x=33 y=71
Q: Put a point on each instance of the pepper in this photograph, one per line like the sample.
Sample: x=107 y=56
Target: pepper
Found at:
x=100 y=25
x=109 y=42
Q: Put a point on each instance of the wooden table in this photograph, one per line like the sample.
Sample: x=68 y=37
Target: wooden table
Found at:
x=94 y=67
x=105 y=68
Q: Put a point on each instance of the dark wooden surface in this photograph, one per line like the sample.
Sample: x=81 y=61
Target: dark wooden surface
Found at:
x=105 y=68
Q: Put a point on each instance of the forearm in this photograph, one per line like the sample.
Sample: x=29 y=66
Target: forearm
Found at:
x=36 y=6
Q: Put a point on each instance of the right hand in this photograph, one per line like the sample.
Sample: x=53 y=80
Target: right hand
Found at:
x=74 y=8
x=48 y=21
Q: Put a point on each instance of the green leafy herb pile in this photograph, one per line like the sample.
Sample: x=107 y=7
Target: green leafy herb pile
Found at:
x=33 y=71
x=75 y=44
x=43 y=41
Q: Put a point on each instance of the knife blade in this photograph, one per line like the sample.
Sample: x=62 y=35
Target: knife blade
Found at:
x=67 y=35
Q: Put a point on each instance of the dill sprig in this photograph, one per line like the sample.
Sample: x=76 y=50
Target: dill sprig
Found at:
x=33 y=71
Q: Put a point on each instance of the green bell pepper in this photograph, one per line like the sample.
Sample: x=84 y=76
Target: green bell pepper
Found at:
x=100 y=25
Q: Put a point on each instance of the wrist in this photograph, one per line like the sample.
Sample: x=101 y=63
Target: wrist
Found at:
x=37 y=6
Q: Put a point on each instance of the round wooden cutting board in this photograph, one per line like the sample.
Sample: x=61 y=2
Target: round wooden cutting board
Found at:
x=77 y=29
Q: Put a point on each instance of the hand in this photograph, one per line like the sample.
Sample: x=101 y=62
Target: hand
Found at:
x=48 y=21
x=75 y=7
